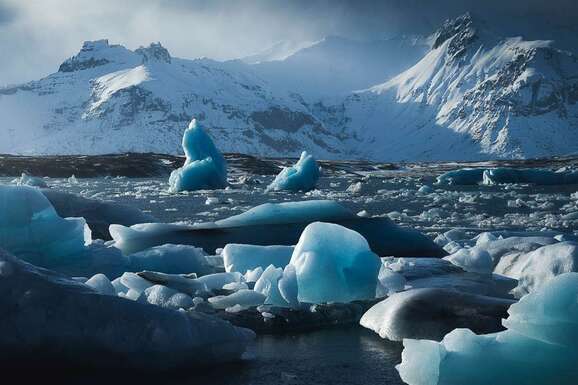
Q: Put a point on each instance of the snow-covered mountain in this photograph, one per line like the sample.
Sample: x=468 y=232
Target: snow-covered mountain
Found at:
x=462 y=93
x=473 y=95
x=108 y=99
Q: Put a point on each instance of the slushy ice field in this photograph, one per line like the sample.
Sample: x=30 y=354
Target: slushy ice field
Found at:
x=393 y=193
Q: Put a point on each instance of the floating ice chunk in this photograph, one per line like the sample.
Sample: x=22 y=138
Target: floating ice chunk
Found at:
x=533 y=176
x=539 y=346
x=389 y=282
x=425 y=189
x=500 y=175
x=243 y=258
x=244 y=298
x=218 y=280
x=183 y=284
x=268 y=285
x=432 y=313
x=465 y=176
x=512 y=245
x=101 y=284
x=99 y=215
x=364 y=214
x=171 y=259
x=450 y=236
x=166 y=297
x=205 y=166
x=134 y=282
x=118 y=286
x=484 y=238
x=235 y=286
x=355 y=188
x=253 y=275
x=537 y=267
x=474 y=259
x=212 y=201
x=334 y=264
x=288 y=286
x=32 y=181
x=302 y=176
x=31 y=229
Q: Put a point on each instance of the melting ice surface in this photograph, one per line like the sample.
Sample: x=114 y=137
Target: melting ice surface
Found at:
x=302 y=176
x=204 y=168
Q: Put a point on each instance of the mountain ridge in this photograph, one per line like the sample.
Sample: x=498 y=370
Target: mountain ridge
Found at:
x=464 y=94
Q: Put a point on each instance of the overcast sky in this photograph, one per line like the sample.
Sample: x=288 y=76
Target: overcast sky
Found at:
x=37 y=35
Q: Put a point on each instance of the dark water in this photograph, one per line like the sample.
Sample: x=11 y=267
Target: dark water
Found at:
x=337 y=356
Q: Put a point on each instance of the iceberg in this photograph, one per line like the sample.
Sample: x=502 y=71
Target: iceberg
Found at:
x=99 y=215
x=278 y=224
x=500 y=175
x=204 y=168
x=64 y=323
x=334 y=264
x=538 y=347
x=431 y=313
x=536 y=268
x=532 y=176
x=31 y=229
x=243 y=258
x=302 y=176
x=465 y=176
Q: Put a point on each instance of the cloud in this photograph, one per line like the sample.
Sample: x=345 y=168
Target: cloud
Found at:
x=37 y=35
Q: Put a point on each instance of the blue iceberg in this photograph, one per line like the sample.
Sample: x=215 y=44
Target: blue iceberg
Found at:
x=302 y=176
x=334 y=264
x=539 y=346
x=204 y=168
x=500 y=175
x=531 y=176
x=31 y=229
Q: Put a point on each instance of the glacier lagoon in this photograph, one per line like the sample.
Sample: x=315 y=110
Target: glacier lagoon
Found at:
x=453 y=215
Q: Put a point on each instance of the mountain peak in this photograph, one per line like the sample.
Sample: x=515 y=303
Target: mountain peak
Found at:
x=154 y=52
x=94 y=53
x=462 y=32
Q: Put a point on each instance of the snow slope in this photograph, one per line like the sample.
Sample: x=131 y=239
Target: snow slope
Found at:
x=473 y=95
x=108 y=99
